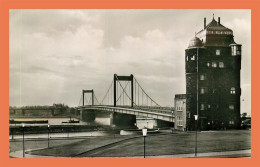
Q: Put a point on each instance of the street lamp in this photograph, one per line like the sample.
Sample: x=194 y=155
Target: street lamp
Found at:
x=196 y=119
x=23 y=140
x=48 y=135
x=12 y=132
x=196 y=116
x=172 y=123
x=144 y=135
x=68 y=135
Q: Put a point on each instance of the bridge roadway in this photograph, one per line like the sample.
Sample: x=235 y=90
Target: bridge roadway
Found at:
x=161 y=113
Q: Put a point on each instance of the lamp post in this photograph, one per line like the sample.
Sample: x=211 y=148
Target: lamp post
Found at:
x=12 y=133
x=172 y=123
x=68 y=135
x=196 y=116
x=23 y=140
x=48 y=135
x=196 y=119
x=144 y=135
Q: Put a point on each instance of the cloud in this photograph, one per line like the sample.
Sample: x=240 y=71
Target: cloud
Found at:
x=54 y=54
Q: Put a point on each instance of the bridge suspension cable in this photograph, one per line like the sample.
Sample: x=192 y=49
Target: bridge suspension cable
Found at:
x=141 y=98
x=123 y=91
x=96 y=99
x=86 y=100
x=89 y=101
x=144 y=93
x=106 y=95
x=80 y=99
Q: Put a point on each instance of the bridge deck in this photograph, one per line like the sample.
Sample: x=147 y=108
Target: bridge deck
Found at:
x=166 y=115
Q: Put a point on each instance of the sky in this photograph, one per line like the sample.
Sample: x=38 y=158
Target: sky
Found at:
x=54 y=54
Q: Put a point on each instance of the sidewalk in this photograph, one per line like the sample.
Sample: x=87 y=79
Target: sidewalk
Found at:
x=226 y=154
x=19 y=154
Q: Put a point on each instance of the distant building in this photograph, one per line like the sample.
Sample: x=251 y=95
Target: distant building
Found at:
x=180 y=112
x=212 y=67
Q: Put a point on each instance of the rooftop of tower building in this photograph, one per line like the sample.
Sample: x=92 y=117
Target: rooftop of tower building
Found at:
x=215 y=34
x=215 y=26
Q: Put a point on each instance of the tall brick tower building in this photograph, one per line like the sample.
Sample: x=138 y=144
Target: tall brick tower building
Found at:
x=213 y=64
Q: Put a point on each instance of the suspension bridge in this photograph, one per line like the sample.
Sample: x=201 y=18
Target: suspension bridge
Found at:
x=125 y=95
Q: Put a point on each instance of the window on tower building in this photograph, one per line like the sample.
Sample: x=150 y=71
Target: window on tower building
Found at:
x=231 y=122
x=202 y=77
x=217 y=52
x=202 y=90
x=202 y=106
x=214 y=91
x=233 y=90
x=188 y=115
x=235 y=50
x=214 y=64
x=193 y=57
x=231 y=107
x=221 y=65
x=238 y=51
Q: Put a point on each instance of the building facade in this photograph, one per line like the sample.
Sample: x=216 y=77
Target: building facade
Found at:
x=212 y=67
x=180 y=112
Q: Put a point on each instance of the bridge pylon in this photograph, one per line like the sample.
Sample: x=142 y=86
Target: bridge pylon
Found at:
x=124 y=78
x=88 y=91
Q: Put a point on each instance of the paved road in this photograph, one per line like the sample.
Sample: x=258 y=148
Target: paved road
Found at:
x=236 y=143
x=176 y=144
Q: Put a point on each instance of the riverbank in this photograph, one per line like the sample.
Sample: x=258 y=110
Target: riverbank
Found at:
x=17 y=130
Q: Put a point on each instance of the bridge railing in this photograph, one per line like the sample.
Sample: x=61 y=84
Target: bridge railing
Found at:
x=168 y=116
x=166 y=110
x=155 y=109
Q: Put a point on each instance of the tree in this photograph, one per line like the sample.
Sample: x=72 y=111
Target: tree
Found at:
x=243 y=116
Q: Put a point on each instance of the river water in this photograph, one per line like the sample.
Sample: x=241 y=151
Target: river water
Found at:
x=60 y=121
x=140 y=123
